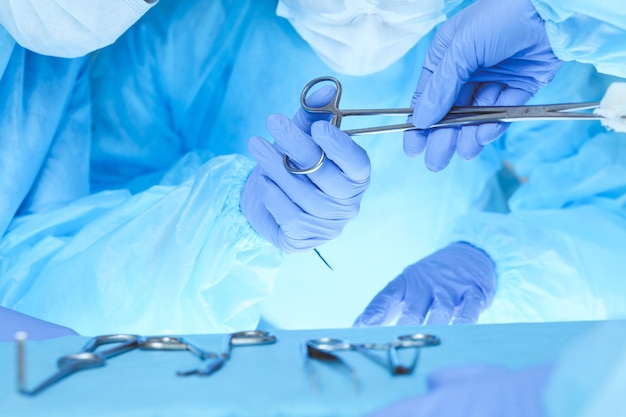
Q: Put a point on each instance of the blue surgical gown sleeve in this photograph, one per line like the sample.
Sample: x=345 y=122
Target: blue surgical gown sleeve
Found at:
x=590 y=32
x=589 y=377
x=45 y=127
x=558 y=251
x=178 y=257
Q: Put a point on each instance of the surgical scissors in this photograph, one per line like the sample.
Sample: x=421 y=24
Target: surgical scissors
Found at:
x=244 y=338
x=458 y=116
x=87 y=358
x=392 y=362
x=312 y=352
x=174 y=343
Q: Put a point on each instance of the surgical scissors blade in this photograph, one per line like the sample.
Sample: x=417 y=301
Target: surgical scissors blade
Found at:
x=458 y=116
x=68 y=365
x=87 y=358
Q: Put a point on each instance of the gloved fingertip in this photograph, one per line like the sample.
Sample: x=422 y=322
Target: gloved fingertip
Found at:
x=276 y=121
x=488 y=132
x=467 y=146
x=463 y=320
x=255 y=143
x=368 y=320
x=410 y=320
x=437 y=318
x=321 y=96
x=435 y=165
x=359 y=322
x=414 y=142
x=260 y=149
x=322 y=127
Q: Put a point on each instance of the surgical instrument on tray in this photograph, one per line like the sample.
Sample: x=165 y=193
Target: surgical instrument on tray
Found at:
x=244 y=338
x=125 y=343
x=87 y=358
x=312 y=352
x=457 y=116
x=391 y=362
x=174 y=343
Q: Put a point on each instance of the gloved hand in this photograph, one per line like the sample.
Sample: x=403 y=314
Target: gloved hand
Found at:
x=477 y=391
x=492 y=53
x=455 y=283
x=299 y=212
x=12 y=322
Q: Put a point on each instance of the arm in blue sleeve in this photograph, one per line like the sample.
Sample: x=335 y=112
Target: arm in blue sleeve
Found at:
x=179 y=257
x=558 y=252
x=590 y=32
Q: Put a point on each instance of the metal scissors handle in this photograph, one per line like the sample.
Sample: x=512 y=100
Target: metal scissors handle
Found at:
x=457 y=116
x=244 y=338
x=174 y=343
x=329 y=344
x=415 y=341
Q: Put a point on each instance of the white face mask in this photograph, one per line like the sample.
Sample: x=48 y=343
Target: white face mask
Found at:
x=359 y=37
x=69 y=28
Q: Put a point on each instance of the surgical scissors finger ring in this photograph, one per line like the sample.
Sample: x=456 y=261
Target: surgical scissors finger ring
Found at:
x=331 y=108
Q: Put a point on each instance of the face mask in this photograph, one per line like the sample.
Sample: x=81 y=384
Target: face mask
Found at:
x=69 y=28
x=359 y=37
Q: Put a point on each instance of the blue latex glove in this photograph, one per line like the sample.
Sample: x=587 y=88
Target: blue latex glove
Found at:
x=299 y=212
x=477 y=391
x=454 y=284
x=492 y=53
x=12 y=322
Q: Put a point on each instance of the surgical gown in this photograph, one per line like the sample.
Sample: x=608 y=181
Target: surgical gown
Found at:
x=166 y=249
x=209 y=79
x=178 y=257
x=45 y=130
x=583 y=31
x=530 y=218
x=558 y=251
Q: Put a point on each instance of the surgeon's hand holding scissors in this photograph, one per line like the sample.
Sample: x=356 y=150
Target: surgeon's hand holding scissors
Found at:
x=492 y=53
x=300 y=212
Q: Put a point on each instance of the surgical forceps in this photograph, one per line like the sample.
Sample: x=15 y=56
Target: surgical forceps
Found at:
x=458 y=116
x=392 y=362
x=245 y=338
x=87 y=358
